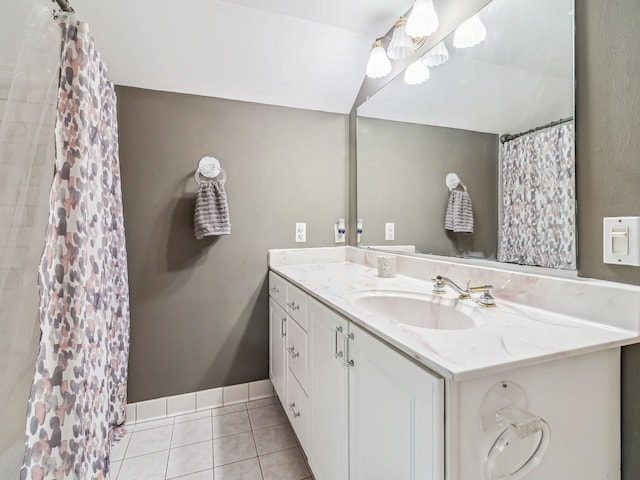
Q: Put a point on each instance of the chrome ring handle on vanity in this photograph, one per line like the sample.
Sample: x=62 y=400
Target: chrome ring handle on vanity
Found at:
x=275 y=290
x=503 y=441
x=292 y=352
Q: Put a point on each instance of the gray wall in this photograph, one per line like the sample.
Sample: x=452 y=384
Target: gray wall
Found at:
x=401 y=173
x=199 y=314
x=608 y=164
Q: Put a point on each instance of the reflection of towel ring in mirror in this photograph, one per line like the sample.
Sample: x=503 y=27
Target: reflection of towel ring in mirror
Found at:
x=210 y=167
x=453 y=181
x=503 y=441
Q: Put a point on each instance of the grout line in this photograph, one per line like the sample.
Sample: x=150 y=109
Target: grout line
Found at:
x=213 y=450
x=166 y=467
x=232 y=434
x=255 y=445
x=145 y=454
x=182 y=446
x=192 y=473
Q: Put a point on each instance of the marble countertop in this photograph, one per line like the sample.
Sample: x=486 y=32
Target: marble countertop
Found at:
x=509 y=336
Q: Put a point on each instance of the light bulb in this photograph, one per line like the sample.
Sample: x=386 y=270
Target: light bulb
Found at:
x=436 y=56
x=416 y=73
x=422 y=20
x=378 y=65
x=470 y=33
x=401 y=45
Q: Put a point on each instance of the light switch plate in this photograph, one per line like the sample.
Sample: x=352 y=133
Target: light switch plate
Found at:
x=621 y=242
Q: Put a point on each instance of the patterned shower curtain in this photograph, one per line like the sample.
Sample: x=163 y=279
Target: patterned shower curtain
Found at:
x=78 y=397
x=538 y=199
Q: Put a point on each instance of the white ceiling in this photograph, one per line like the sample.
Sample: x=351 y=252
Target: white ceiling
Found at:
x=299 y=53
x=294 y=53
x=520 y=77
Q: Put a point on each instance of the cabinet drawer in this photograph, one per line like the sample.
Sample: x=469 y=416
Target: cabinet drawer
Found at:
x=297 y=352
x=278 y=289
x=277 y=347
x=297 y=410
x=297 y=305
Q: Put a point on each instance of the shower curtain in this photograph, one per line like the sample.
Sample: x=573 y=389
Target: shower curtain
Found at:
x=538 y=199
x=78 y=395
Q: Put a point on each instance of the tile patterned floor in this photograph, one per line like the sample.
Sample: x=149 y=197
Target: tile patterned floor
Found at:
x=247 y=441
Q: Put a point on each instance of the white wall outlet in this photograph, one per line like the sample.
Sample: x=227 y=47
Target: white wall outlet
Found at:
x=389 y=231
x=301 y=232
x=340 y=231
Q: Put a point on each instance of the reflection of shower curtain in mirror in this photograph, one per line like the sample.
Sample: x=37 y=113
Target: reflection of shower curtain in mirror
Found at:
x=538 y=199
x=79 y=390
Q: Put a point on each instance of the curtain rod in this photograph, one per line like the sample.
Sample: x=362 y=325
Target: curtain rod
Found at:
x=64 y=6
x=507 y=137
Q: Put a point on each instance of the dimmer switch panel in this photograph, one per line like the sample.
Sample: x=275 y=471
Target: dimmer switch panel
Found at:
x=622 y=240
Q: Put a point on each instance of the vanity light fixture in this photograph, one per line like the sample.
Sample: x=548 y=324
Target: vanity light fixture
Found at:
x=422 y=20
x=416 y=73
x=470 y=33
x=436 y=56
x=401 y=45
x=379 y=65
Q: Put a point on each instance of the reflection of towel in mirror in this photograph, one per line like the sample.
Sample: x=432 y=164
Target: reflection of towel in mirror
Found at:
x=459 y=217
x=211 y=216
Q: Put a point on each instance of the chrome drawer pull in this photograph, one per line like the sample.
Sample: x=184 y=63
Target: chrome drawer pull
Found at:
x=275 y=290
x=292 y=408
x=283 y=333
x=293 y=353
x=348 y=362
x=293 y=306
x=336 y=353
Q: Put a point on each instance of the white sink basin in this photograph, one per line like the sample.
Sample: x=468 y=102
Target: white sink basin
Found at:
x=414 y=309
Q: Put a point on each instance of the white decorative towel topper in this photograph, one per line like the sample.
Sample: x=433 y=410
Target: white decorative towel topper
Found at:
x=210 y=167
x=452 y=180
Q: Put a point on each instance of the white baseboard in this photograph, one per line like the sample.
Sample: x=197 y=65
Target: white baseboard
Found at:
x=164 y=407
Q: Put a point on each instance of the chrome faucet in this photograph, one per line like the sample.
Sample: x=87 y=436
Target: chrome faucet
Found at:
x=485 y=299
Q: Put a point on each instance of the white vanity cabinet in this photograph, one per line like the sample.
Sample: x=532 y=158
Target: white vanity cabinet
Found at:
x=371 y=413
x=328 y=429
x=396 y=414
x=288 y=352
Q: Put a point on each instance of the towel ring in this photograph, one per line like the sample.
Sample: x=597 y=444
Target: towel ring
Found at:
x=210 y=167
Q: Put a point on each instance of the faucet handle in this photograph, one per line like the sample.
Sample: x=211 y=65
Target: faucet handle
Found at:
x=438 y=285
x=486 y=299
x=479 y=288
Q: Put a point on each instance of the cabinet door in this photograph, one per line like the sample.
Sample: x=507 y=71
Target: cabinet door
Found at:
x=328 y=451
x=277 y=361
x=396 y=414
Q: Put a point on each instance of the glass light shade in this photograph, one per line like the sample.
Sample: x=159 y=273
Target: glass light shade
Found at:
x=416 y=73
x=470 y=33
x=378 y=65
x=401 y=45
x=436 y=56
x=422 y=20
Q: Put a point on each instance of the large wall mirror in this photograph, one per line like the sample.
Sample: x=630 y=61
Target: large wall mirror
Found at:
x=499 y=116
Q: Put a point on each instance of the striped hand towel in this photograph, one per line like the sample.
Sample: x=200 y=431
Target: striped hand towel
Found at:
x=459 y=217
x=211 y=216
